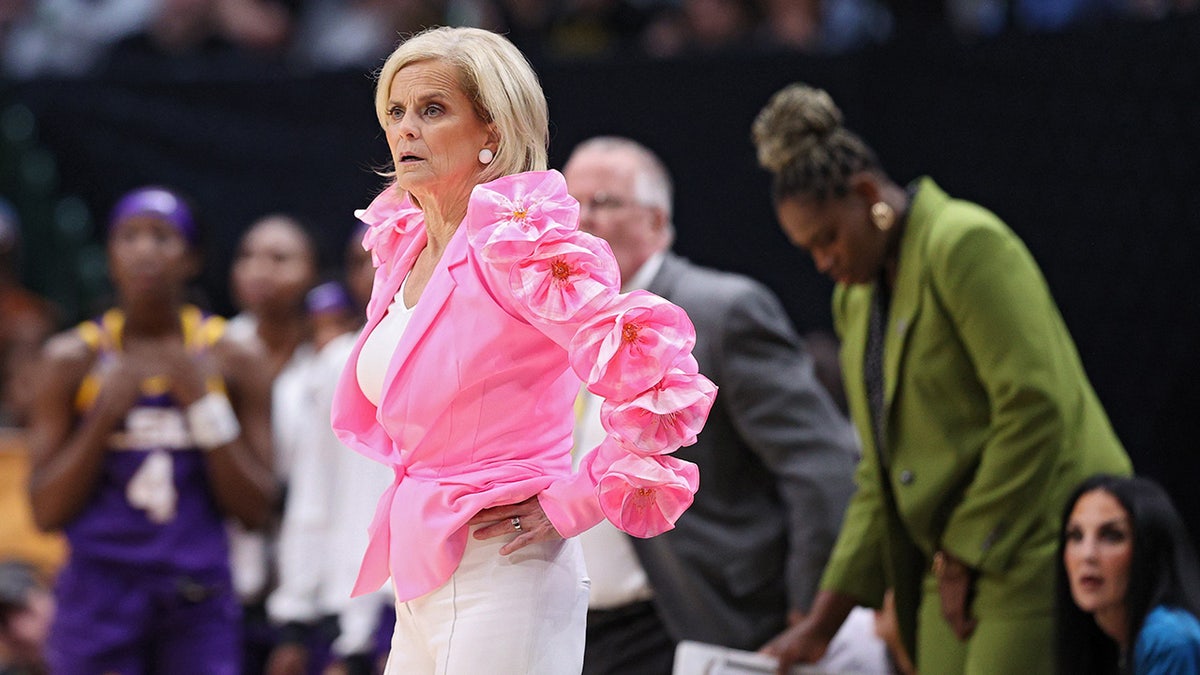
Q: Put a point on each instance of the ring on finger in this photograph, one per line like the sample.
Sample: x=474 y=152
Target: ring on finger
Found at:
x=516 y=523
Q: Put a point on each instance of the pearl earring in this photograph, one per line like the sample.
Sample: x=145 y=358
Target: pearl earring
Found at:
x=486 y=156
x=883 y=216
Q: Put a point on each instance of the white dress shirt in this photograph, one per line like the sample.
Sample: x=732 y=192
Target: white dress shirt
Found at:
x=331 y=498
x=617 y=576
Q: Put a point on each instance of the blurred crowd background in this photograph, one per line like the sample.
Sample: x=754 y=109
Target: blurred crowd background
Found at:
x=83 y=37
x=1077 y=121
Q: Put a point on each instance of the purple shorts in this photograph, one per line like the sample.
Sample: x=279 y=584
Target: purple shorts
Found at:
x=113 y=619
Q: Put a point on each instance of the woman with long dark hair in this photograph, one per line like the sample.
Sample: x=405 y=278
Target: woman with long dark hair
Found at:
x=1128 y=579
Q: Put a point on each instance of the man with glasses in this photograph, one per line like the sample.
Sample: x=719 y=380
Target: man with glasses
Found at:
x=776 y=455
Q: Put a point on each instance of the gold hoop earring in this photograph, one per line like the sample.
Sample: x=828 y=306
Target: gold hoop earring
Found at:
x=883 y=216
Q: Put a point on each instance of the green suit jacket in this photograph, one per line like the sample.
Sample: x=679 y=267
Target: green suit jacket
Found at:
x=990 y=419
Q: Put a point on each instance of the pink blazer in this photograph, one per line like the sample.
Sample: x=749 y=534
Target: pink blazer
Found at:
x=477 y=405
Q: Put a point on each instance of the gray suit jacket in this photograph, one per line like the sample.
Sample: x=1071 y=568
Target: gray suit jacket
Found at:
x=776 y=465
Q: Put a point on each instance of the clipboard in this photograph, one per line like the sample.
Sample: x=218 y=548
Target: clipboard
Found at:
x=855 y=650
x=698 y=658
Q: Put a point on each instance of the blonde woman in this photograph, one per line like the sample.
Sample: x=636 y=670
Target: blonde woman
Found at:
x=489 y=307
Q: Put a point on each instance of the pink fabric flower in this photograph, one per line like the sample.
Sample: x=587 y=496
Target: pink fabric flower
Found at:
x=561 y=279
x=389 y=218
x=631 y=345
x=509 y=216
x=644 y=496
x=663 y=418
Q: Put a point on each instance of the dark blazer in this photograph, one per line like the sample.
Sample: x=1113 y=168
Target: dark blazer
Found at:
x=776 y=459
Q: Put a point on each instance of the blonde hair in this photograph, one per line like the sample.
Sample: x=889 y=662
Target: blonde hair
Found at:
x=496 y=77
x=800 y=138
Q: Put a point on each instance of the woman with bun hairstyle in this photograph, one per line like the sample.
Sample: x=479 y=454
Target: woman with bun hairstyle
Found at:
x=973 y=408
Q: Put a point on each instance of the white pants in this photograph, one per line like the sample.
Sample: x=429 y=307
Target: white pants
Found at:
x=520 y=614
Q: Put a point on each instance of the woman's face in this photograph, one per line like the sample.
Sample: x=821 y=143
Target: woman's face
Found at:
x=837 y=233
x=273 y=267
x=149 y=257
x=1097 y=552
x=433 y=131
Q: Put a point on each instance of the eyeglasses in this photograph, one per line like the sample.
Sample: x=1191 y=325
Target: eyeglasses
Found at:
x=602 y=202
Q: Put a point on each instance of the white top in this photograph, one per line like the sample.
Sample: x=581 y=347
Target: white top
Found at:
x=331 y=496
x=251 y=551
x=377 y=350
x=617 y=576
x=645 y=274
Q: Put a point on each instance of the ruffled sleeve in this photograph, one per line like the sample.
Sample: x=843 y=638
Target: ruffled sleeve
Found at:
x=391 y=219
x=632 y=349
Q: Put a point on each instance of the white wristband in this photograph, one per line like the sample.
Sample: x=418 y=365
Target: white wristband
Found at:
x=212 y=422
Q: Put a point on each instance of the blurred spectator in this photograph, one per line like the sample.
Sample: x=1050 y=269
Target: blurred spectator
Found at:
x=257 y=25
x=1056 y=15
x=150 y=427
x=65 y=37
x=815 y=26
x=794 y=24
x=852 y=24
x=665 y=35
x=975 y=18
x=188 y=37
x=183 y=37
x=700 y=26
x=986 y=18
x=11 y=12
x=357 y=34
x=717 y=25
x=476 y=13
x=525 y=22
x=274 y=268
x=26 y=320
x=332 y=492
x=26 y=610
x=823 y=26
x=330 y=311
x=20 y=538
x=594 y=28
x=359 y=274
